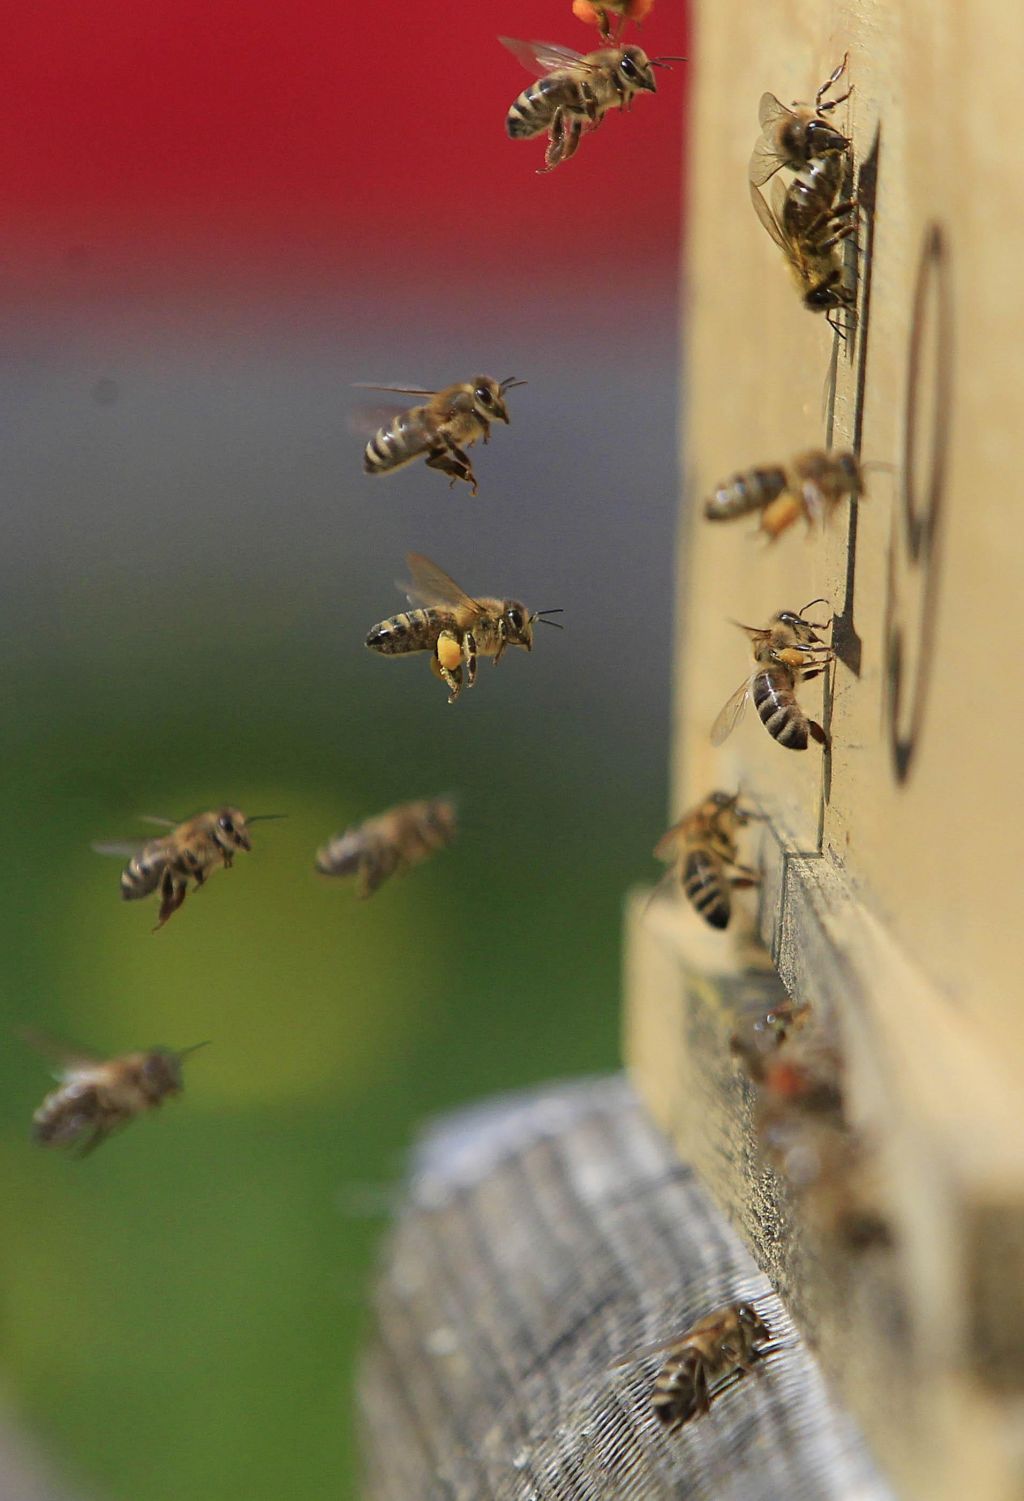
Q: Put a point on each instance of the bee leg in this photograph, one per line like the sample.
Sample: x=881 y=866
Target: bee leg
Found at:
x=817 y=733
x=449 y=649
x=702 y=1402
x=172 y=894
x=452 y=461
x=502 y=641
x=833 y=77
x=469 y=657
x=556 y=135
x=572 y=140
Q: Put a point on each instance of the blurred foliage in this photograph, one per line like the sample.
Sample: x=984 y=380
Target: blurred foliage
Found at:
x=182 y=1310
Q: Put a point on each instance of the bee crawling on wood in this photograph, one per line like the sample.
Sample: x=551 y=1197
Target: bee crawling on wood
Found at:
x=703 y=849
x=100 y=1095
x=389 y=844
x=788 y=651
x=575 y=92
x=440 y=428
x=794 y=137
x=599 y=13
x=454 y=628
x=712 y=1355
x=811 y=485
x=188 y=852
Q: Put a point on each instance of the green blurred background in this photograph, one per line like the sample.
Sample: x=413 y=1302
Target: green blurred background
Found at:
x=194 y=563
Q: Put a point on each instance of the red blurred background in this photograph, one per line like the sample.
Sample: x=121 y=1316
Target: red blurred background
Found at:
x=223 y=144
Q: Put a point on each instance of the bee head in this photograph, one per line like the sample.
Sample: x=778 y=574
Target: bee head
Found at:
x=489 y=399
x=518 y=624
x=822 y=139
x=749 y=1319
x=161 y=1073
x=230 y=830
x=635 y=69
x=849 y=468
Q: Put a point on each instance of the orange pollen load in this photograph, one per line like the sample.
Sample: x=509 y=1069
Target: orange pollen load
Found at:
x=590 y=10
x=449 y=652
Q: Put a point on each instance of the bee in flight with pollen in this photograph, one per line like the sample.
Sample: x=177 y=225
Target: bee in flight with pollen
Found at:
x=97 y=1096
x=440 y=428
x=389 y=844
x=575 y=92
x=455 y=628
x=787 y=652
x=811 y=485
x=189 y=851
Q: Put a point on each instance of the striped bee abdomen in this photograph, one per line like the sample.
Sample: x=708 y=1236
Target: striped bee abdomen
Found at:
x=780 y=713
x=141 y=876
x=534 y=109
x=413 y=630
x=745 y=492
x=398 y=443
x=707 y=889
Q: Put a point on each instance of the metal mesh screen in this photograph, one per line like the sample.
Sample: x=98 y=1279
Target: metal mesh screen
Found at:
x=545 y=1237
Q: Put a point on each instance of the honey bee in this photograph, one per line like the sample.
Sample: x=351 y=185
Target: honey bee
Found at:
x=440 y=427
x=811 y=485
x=788 y=651
x=453 y=627
x=389 y=844
x=809 y=224
x=599 y=13
x=703 y=846
x=575 y=91
x=100 y=1095
x=715 y=1353
x=189 y=852
x=794 y=137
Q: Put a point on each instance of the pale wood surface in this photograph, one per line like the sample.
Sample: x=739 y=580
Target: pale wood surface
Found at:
x=890 y=891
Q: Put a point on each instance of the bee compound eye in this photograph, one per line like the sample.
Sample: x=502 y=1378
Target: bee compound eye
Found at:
x=226 y=824
x=484 y=396
x=628 y=67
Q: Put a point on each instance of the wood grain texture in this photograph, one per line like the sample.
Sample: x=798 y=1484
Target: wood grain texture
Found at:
x=545 y=1237
x=890 y=886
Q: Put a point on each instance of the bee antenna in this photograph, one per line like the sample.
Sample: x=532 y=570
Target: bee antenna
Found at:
x=540 y=617
x=819 y=601
x=184 y=1052
x=264 y=817
x=663 y=62
x=510 y=381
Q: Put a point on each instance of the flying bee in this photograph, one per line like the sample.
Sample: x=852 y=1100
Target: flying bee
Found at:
x=599 y=13
x=809 y=223
x=440 y=428
x=715 y=1353
x=793 y=137
x=788 y=652
x=188 y=852
x=98 y=1095
x=453 y=627
x=811 y=485
x=389 y=844
x=575 y=91
x=702 y=846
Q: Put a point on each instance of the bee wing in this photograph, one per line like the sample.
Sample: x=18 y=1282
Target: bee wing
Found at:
x=770 y=110
x=122 y=849
x=161 y=823
x=543 y=57
x=768 y=219
x=61 y=1055
x=667 y=846
x=430 y=585
x=730 y=714
x=677 y=1344
x=362 y=385
x=765 y=161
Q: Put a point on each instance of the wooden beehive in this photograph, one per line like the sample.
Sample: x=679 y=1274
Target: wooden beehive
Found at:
x=890 y=887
